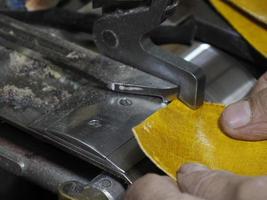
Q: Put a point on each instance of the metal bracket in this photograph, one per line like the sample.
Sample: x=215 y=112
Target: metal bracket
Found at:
x=103 y=187
x=122 y=35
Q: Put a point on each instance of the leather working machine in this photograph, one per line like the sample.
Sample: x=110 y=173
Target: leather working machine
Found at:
x=75 y=81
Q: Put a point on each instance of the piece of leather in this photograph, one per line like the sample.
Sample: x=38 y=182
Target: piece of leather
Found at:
x=177 y=135
x=255 y=33
x=255 y=8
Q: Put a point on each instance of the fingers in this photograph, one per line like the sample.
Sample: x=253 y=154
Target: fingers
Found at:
x=154 y=187
x=261 y=84
x=34 y=5
x=247 y=120
x=200 y=181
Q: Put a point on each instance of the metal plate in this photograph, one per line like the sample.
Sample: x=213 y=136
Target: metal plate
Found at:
x=69 y=111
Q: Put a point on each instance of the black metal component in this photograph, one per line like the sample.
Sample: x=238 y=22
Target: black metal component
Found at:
x=213 y=29
x=193 y=19
x=78 y=22
x=183 y=32
x=27 y=157
x=122 y=36
x=58 y=18
x=111 y=3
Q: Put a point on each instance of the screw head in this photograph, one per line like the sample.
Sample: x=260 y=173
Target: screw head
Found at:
x=105 y=183
x=95 y=123
x=125 y=102
x=110 y=38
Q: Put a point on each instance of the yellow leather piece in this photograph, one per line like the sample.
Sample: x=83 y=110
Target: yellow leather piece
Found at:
x=254 y=33
x=255 y=8
x=177 y=135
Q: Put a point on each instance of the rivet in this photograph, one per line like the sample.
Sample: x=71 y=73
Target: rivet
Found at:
x=126 y=102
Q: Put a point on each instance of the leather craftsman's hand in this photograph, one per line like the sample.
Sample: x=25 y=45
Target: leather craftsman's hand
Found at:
x=197 y=182
x=154 y=187
x=209 y=184
x=247 y=119
x=34 y=5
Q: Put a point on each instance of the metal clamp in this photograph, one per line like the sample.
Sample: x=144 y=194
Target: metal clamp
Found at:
x=103 y=187
x=123 y=35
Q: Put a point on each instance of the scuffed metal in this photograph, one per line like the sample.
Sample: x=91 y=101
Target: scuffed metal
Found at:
x=30 y=83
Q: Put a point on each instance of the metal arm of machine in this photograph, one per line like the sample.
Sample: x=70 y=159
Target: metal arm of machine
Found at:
x=122 y=35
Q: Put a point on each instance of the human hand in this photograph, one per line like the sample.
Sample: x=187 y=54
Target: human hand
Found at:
x=247 y=119
x=31 y=5
x=155 y=187
x=197 y=182
x=34 y=5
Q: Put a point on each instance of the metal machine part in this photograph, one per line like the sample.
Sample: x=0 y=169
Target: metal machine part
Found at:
x=62 y=107
x=93 y=123
x=69 y=108
x=76 y=191
x=193 y=19
x=103 y=187
x=228 y=79
x=122 y=35
x=105 y=72
x=109 y=186
x=38 y=162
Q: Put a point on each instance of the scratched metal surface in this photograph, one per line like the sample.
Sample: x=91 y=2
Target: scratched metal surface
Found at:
x=72 y=112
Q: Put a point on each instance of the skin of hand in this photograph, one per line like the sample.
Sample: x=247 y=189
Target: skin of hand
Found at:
x=245 y=120
x=155 y=187
x=197 y=182
x=35 y=5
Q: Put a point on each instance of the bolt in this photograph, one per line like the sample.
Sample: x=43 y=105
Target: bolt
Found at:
x=126 y=102
x=95 y=123
x=110 y=38
x=105 y=183
x=72 y=188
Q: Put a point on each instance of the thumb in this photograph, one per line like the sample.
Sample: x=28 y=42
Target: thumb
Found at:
x=247 y=120
x=210 y=184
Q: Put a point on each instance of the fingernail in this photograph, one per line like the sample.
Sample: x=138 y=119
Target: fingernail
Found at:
x=237 y=115
x=188 y=168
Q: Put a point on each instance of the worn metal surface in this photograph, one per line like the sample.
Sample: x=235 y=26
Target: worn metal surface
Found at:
x=112 y=189
x=122 y=35
x=193 y=19
x=105 y=72
x=40 y=163
x=102 y=187
x=66 y=109
x=93 y=123
x=76 y=191
x=70 y=110
x=228 y=79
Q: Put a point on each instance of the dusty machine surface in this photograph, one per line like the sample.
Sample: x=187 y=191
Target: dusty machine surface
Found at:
x=75 y=80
